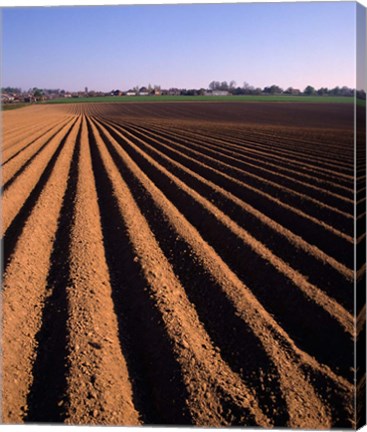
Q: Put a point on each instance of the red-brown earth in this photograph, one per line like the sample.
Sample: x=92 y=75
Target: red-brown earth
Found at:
x=183 y=263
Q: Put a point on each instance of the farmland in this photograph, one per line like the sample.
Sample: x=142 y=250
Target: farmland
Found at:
x=179 y=264
x=226 y=99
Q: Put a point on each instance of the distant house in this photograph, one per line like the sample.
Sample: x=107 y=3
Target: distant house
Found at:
x=130 y=93
x=292 y=91
x=174 y=92
x=143 y=91
x=216 y=93
x=5 y=98
x=296 y=92
x=157 y=92
x=29 y=98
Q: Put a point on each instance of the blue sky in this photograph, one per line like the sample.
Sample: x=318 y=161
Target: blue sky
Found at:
x=109 y=47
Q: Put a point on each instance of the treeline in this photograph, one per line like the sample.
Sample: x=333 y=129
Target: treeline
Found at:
x=247 y=89
x=13 y=90
x=34 y=91
x=224 y=87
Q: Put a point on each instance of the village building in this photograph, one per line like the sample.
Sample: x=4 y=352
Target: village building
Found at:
x=143 y=91
x=216 y=93
x=174 y=92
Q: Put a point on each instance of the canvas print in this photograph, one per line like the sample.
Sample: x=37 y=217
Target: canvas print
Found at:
x=184 y=215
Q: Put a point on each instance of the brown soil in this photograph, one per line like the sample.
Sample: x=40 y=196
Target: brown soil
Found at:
x=179 y=264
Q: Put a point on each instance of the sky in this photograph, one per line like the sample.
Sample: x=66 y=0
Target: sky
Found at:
x=361 y=47
x=184 y=46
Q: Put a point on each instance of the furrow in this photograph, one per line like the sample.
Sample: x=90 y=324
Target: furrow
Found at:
x=47 y=395
x=247 y=307
x=21 y=134
x=99 y=390
x=331 y=153
x=317 y=232
x=311 y=153
x=16 y=194
x=285 y=193
x=256 y=163
x=294 y=287
x=158 y=390
x=319 y=209
x=361 y=271
x=253 y=139
x=24 y=144
x=271 y=233
x=25 y=287
x=16 y=166
x=13 y=135
x=181 y=264
x=188 y=339
x=257 y=148
x=15 y=228
x=17 y=124
x=276 y=136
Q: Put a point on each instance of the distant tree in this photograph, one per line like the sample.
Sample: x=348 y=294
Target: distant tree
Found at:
x=37 y=93
x=224 y=86
x=136 y=89
x=274 y=89
x=322 y=91
x=189 y=92
x=309 y=91
x=361 y=94
x=15 y=90
x=247 y=88
x=346 y=91
x=292 y=91
x=334 y=91
x=232 y=87
x=213 y=85
x=237 y=91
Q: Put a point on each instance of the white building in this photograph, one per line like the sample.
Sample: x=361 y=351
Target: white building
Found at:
x=216 y=93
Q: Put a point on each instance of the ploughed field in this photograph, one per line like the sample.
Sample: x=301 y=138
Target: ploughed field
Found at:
x=178 y=264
